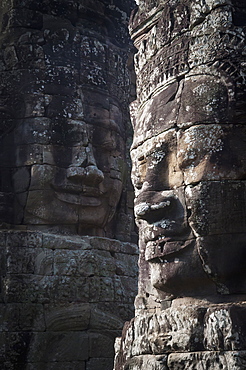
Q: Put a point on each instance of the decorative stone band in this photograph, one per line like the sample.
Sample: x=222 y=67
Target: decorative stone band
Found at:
x=60 y=293
x=210 y=360
x=201 y=329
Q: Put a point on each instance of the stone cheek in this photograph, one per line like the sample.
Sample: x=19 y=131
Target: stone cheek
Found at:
x=155 y=163
x=212 y=152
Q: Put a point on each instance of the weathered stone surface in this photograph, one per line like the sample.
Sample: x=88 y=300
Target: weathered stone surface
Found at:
x=188 y=157
x=147 y=362
x=76 y=317
x=65 y=87
x=186 y=333
x=188 y=151
x=64 y=302
x=212 y=152
x=62 y=346
x=76 y=365
x=208 y=360
x=100 y=364
x=68 y=265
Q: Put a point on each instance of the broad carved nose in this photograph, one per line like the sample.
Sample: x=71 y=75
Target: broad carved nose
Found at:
x=161 y=208
x=87 y=173
x=154 y=206
x=94 y=174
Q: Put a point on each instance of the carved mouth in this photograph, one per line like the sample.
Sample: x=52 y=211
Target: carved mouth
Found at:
x=81 y=195
x=77 y=189
x=79 y=199
x=158 y=249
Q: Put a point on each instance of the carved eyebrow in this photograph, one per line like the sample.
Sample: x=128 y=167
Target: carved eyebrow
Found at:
x=154 y=153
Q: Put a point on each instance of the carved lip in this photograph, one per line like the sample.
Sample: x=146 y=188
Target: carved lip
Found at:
x=161 y=247
x=71 y=188
x=81 y=195
x=80 y=199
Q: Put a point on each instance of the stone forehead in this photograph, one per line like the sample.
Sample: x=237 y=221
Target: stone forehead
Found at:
x=196 y=7
x=192 y=135
x=188 y=138
x=154 y=142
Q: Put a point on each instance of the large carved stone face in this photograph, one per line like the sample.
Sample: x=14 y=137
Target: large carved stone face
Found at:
x=64 y=88
x=189 y=161
x=190 y=205
x=68 y=172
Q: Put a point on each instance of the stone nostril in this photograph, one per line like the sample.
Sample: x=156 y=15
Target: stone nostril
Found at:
x=89 y=175
x=152 y=212
x=76 y=173
x=94 y=174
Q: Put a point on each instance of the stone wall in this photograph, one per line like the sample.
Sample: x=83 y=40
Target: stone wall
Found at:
x=63 y=299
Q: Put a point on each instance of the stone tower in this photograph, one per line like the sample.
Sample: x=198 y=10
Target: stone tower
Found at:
x=68 y=264
x=189 y=171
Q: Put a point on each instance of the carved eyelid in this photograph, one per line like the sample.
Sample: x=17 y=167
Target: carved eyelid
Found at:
x=192 y=158
x=141 y=158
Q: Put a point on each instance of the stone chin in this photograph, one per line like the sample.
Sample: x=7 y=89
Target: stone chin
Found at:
x=181 y=273
x=213 y=265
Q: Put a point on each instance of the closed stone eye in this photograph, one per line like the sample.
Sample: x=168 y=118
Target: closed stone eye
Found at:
x=188 y=159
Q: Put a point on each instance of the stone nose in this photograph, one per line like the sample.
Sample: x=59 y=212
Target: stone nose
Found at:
x=155 y=206
x=87 y=172
x=94 y=174
x=89 y=175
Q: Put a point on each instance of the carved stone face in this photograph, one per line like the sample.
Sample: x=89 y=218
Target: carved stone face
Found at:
x=189 y=206
x=189 y=161
x=64 y=92
x=68 y=172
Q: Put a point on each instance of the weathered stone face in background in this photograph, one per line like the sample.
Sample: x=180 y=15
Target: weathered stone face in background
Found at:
x=65 y=87
x=64 y=104
x=189 y=171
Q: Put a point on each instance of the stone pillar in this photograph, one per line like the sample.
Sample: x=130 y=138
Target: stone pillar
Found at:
x=68 y=273
x=189 y=171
